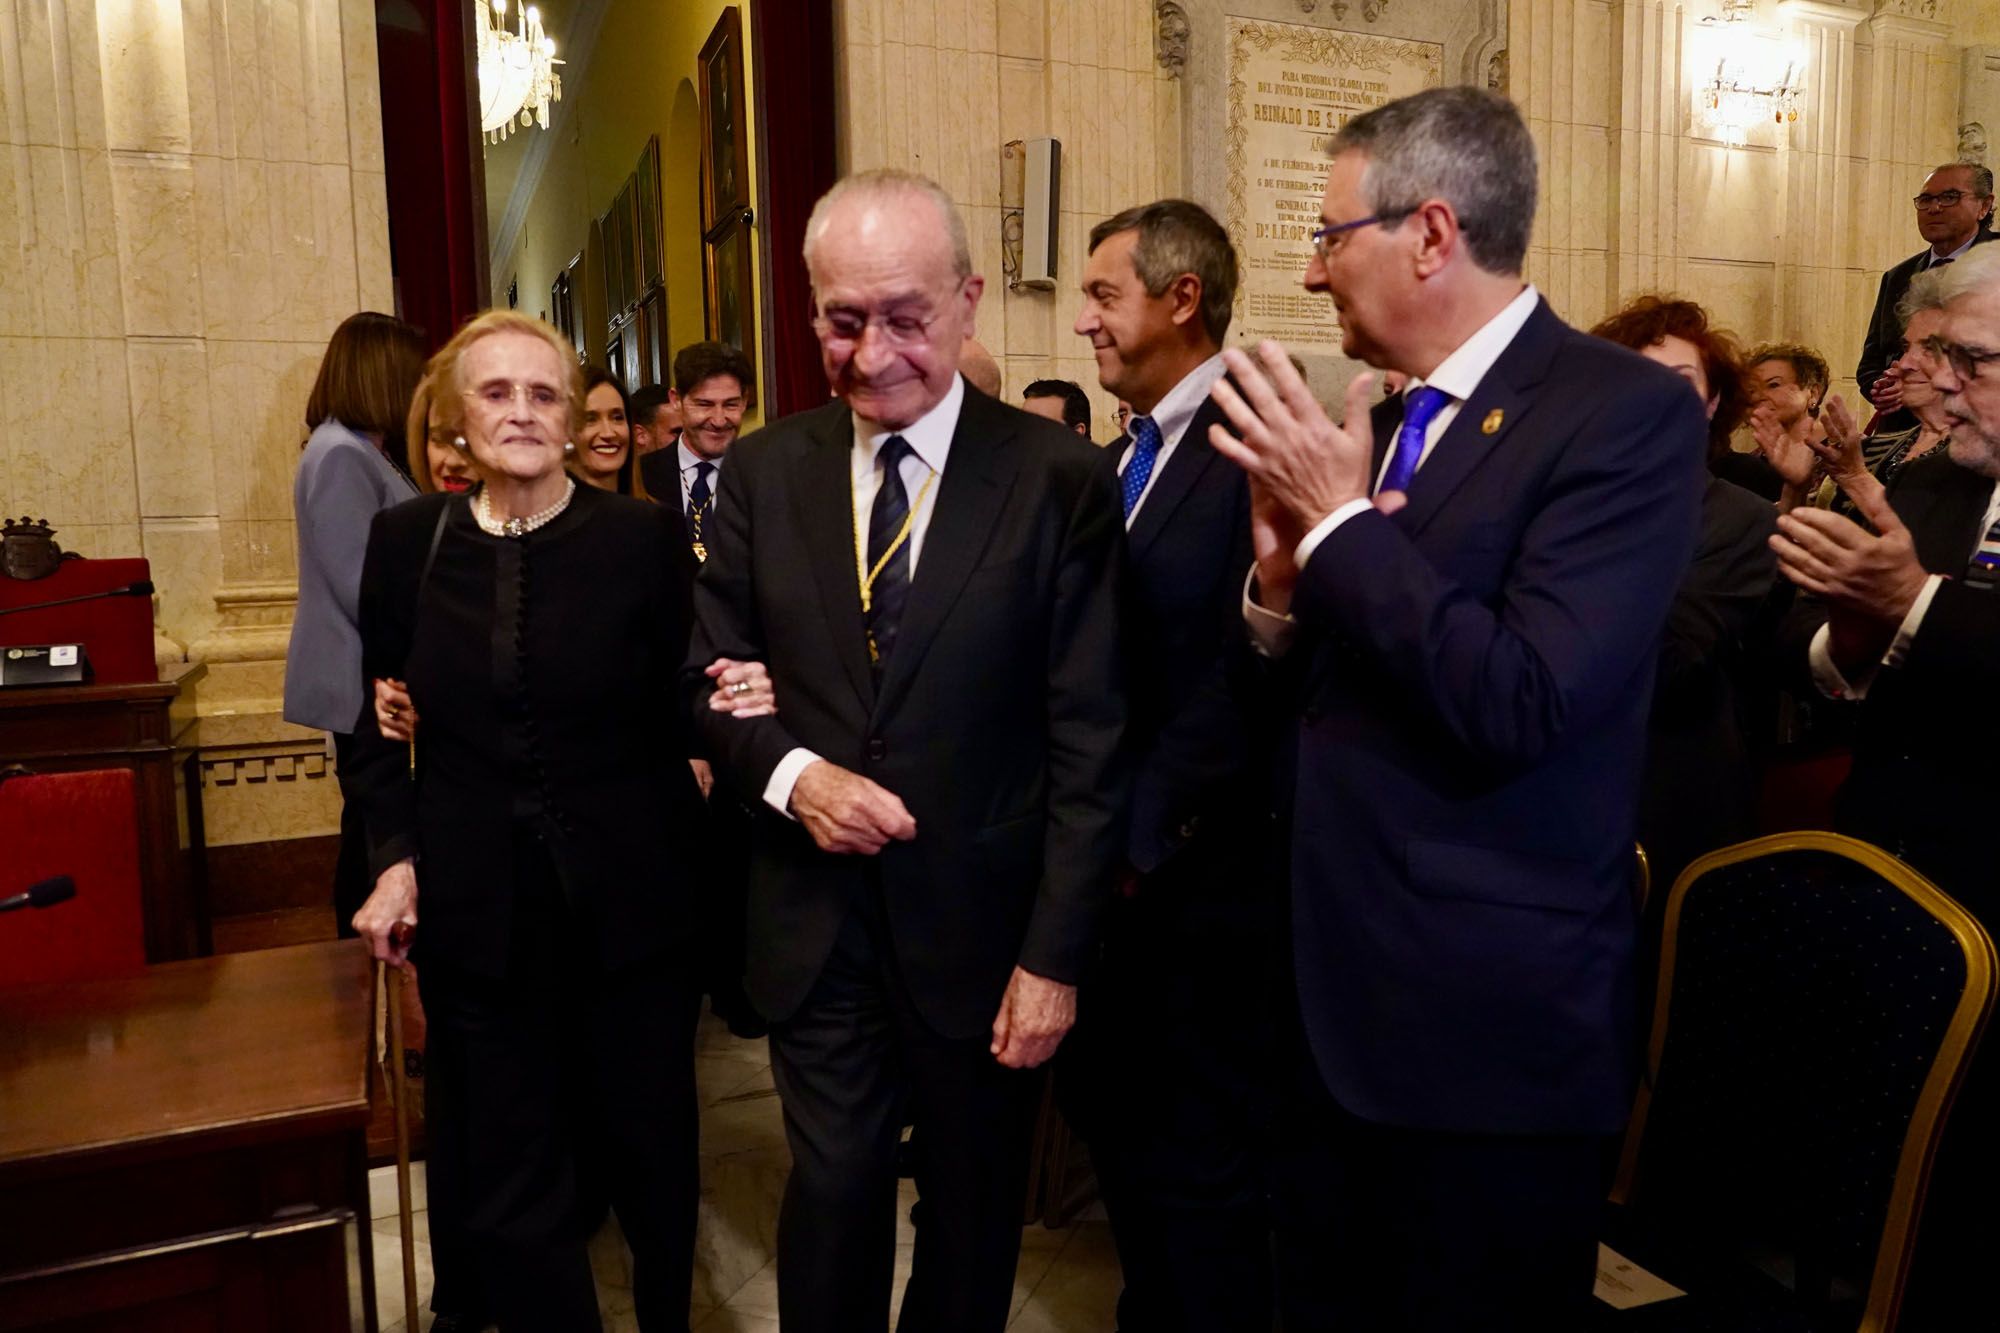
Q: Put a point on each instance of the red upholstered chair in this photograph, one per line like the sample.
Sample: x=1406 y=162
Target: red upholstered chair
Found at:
x=84 y=825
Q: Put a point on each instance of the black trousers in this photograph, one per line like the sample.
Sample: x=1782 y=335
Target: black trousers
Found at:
x=1164 y=1079
x=848 y=1066
x=1388 y=1230
x=560 y=1090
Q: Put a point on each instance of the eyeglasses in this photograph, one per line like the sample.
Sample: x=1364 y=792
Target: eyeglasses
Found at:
x=496 y=396
x=1123 y=414
x=1964 y=361
x=1322 y=237
x=843 y=324
x=1942 y=199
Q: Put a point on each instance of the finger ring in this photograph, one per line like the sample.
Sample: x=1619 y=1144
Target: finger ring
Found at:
x=395 y=710
x=740 y=687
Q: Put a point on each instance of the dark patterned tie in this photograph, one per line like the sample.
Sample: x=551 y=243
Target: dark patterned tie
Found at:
x=698 y=497
x=885 y=523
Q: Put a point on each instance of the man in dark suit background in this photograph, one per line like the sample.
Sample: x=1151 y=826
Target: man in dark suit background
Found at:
x=933 y=579
x=1954 y=213
x=1904 y=622
x=1475 y=610
x=1160 y=1077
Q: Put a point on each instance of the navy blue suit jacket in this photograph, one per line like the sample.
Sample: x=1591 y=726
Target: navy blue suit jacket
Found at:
x=1470 y=741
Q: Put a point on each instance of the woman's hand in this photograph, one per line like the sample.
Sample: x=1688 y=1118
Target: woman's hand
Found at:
x=1787 y=452
x=704 y=776
x=1840 y=451
x=742 y=689
x=394 y=713
x=392 y=905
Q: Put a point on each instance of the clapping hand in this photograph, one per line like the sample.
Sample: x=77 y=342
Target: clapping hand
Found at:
x=1863 y=576
x=1886 y=393
x=1787 y=451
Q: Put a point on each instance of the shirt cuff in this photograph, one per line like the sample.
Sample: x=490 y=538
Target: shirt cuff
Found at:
x=778 y=791
x=1828 y=678
x=1324 y=529
x=1270 y=633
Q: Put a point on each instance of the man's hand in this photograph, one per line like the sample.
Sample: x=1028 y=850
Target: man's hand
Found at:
x=1887 y=392
x=1307 y=466
x=742 y=689
x=845 y=812
x=704 y=776
x=1035 y=1014
x=394 y=713
x=393 y=903
x=1274 y=536
x=1874 y=578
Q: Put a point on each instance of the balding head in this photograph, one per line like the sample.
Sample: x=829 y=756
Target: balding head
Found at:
x=979 y=367
x=1967 y=376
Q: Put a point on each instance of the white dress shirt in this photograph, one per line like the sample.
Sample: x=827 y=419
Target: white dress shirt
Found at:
x=1932 y=258
x=929 y=438
x=690 y=461
x=1457 y=375
x=1172 y=415
x=1819 y=656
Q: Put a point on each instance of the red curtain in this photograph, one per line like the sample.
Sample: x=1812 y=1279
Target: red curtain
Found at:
x=437 y=217
x=793 y=41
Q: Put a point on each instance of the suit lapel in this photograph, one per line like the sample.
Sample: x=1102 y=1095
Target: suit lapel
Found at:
x=823 y=505
x=969 y=497
x=1466 y=443
x=1186 y=466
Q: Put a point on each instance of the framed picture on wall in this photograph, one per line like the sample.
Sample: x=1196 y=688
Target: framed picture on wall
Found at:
x=725 y=164
x=646 y=196
x=727 y=290
x=622 y=263
x=652 y=367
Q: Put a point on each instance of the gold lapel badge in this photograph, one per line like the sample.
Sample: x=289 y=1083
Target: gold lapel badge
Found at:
x=1491 y=426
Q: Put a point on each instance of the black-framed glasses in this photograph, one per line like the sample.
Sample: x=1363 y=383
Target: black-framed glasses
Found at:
x=1322 y=237
x=1964 y=361
x=1942 y=199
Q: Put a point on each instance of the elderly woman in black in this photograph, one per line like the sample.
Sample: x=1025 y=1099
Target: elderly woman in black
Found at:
x=546 y=835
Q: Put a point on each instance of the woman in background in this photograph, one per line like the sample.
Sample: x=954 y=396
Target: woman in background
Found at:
x=438 y=459
x=603 y=447
x=352 y=468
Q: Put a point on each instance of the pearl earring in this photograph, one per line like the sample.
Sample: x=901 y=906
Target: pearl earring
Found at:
x=458 y=442
x=569 y=446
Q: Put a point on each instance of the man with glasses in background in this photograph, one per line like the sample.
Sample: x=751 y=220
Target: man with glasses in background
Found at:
x=933 y=577
x=1954 y=213
x=1904 y=620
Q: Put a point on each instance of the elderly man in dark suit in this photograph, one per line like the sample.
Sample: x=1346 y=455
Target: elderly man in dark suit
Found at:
x=1954 y=213
x=1472 y=601
x=933 y=578
x=1162 y=1082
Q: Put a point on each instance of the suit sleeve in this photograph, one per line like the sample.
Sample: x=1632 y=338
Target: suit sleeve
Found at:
x=726 y=624
x=1206 y=744
x=1957 y=648
x=1088 y=778
x=340 y=497
x=1721 y=601
x=379 y=776
x=1582 y=606
x=1883 y=341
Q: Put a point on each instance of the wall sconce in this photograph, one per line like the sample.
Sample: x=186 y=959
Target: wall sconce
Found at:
x=1734 y=100
x=1744 y=76
x=1030 y=209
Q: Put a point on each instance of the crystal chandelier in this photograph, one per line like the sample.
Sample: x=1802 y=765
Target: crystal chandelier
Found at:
x=517 y=74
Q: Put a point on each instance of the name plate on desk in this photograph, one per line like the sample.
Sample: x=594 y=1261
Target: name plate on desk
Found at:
x=43 y=664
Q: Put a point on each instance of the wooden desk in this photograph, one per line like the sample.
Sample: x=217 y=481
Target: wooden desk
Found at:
x=185 y=1148
x=149 y=729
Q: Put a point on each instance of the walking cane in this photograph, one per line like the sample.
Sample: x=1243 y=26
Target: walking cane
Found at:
x=399 y=1096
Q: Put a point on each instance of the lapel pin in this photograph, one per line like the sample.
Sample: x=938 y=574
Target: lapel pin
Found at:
x=1491 y=426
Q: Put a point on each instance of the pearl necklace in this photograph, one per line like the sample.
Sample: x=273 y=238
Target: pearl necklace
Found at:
x=482 y=513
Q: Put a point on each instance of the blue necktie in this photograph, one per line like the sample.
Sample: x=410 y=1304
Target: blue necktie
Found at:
x=1420 y=406
x=1145 y=451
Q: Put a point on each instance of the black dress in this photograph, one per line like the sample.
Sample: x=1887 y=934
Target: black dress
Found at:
x=554 y=819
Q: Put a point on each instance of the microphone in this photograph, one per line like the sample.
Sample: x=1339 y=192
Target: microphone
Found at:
x=47 y=893
x=136 y=588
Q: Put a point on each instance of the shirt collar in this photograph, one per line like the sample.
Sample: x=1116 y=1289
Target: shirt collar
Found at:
x=1173 y=412
x=929 y=436
x=1936 y=259
x=1459 y=374
x=690 y=460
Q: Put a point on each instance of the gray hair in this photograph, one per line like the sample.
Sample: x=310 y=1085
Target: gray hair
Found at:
x=1977 y=270
x=889 y=183
x=1466 y=146
x=1925 y=292
x=1982 y=176
x=1177 y=237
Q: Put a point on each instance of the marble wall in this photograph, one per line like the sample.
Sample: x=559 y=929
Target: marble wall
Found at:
x=193 y=198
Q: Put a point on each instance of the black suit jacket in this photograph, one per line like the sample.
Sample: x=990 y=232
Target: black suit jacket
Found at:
x=1884 y=340
x=1923 y=742
x=546 y=670
x=1470 y=743
x=1194 y=731
x=999 y=718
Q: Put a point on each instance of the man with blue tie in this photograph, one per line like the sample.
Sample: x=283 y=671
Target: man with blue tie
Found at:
x=1471 y=617
x=1161 y=1080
